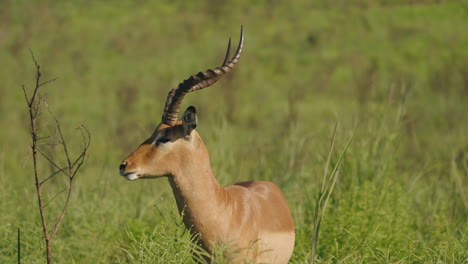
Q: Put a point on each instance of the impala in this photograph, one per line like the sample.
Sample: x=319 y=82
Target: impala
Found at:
x=242 y=214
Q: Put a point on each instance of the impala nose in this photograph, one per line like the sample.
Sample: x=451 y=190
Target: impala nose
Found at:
x=122 y=166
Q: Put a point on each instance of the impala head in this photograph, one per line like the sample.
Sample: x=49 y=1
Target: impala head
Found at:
x=174 y=143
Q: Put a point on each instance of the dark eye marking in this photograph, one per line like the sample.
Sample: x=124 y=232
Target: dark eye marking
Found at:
x=162 y=140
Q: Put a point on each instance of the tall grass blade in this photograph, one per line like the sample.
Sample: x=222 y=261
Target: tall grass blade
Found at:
x=19 y=246
x=334 y=175
x=326 y=189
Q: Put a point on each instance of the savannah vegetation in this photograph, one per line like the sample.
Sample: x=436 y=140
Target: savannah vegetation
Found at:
x=392 y=74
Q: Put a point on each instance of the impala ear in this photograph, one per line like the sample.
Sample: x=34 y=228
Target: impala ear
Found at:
x=189 y=120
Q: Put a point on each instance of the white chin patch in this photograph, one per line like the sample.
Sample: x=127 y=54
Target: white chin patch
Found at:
x=131 y=176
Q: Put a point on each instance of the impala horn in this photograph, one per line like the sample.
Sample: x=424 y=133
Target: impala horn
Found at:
x=199 y=81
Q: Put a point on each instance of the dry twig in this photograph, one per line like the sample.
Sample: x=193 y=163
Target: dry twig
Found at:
x=35 y=104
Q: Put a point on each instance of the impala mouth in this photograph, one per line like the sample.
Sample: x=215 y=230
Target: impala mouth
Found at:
x=131 y=176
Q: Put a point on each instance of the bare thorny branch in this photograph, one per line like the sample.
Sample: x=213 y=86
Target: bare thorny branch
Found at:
x=35 y=103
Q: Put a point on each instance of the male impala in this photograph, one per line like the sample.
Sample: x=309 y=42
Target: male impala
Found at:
x=240 y=215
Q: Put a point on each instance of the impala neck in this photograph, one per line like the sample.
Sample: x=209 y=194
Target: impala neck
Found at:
x=198 y=195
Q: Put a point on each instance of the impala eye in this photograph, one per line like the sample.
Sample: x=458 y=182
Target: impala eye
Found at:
x=163 y=140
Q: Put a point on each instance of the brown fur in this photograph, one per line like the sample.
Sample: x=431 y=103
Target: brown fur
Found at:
x=239 y=214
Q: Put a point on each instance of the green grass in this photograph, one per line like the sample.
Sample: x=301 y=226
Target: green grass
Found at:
x=393 y=74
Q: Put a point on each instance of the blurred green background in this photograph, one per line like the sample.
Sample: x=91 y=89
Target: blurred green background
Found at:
x=394 y=73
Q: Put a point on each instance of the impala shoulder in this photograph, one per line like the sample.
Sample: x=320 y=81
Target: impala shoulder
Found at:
x=259 y=186
x=254 y=184
x=264 y=189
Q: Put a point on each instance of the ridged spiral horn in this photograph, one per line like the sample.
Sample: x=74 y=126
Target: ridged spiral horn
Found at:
x=199 y=81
